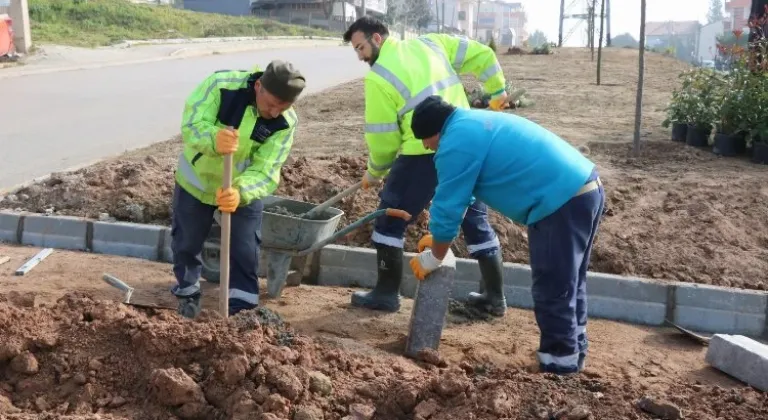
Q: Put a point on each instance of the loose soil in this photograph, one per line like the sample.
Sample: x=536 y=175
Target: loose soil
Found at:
x=71 y=350
x=673 y=213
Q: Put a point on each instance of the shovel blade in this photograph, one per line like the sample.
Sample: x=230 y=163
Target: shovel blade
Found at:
x=278 y=265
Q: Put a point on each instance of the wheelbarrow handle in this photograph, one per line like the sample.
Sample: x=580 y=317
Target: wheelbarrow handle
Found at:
x=402 y=214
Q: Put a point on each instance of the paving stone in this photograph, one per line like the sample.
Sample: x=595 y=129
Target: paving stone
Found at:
x=127 y=239
x=60 y=232
x=9 y=224
x=741 y=357
x=430 y=307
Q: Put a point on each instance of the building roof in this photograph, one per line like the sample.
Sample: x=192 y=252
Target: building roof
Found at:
x=685 y=27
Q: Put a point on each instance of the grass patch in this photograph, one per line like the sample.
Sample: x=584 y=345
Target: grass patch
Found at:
x=94 y=23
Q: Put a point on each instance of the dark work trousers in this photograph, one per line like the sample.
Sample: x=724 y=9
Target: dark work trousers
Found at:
x=190 y=226
x=410 y=186
x=560 y=247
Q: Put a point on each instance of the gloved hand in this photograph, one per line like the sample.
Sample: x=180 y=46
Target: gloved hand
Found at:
x=228 y=199
x=424 y=263
x=370 y=181
x=226 y=141
x=499 y=102
x=424 y=242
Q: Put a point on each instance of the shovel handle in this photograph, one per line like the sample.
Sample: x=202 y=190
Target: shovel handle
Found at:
x=333 y=200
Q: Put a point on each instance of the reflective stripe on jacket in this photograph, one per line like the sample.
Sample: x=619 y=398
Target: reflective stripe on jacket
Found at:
x=407 y=72
x=226 y=98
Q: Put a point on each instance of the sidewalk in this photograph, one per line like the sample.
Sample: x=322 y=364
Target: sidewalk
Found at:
x=54 y=58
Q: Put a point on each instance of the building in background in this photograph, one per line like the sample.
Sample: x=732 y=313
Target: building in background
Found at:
x=324 y=14
x=737 y=15
x=681 y=38
x=505 y=22
x=706 y=49
x=456 y=16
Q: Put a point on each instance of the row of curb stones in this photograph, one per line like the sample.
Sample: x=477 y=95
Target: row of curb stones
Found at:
x=640 y=301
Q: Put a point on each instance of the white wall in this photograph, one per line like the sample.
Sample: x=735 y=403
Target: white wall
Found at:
x=708 y=41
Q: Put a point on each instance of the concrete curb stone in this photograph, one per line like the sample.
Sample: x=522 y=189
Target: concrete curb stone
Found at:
x=703 y=308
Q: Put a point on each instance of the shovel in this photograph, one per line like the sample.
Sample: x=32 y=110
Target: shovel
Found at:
x=128 y=290
x=331 y=201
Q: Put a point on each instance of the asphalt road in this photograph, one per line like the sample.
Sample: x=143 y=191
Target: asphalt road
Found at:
x=57 y=121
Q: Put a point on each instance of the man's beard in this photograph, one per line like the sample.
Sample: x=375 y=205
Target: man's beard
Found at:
x=374 y=55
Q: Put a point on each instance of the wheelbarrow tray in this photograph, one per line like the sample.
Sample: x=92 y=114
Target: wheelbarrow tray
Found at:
x=283 y=231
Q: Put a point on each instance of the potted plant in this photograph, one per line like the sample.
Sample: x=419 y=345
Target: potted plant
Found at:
x=701 y=107
x=730 y=135
x=760 y=144
x=676 y=117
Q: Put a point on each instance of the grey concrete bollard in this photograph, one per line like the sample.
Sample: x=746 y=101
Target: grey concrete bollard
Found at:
x=741 y=357
x=430 y=307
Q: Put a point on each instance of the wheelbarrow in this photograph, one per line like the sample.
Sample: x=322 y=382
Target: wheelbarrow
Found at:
x=286 y=235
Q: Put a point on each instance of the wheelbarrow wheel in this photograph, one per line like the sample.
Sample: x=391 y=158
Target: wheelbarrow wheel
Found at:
x=211 y=269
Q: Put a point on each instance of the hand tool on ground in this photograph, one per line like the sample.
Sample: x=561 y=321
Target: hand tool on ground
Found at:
x=331 y=201
x=703 y=340
x=279 y=260
x=226 y=231
x=128 y=290
x=24 y=269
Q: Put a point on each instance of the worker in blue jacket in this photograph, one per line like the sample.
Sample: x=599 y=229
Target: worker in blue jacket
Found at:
x=535 y=178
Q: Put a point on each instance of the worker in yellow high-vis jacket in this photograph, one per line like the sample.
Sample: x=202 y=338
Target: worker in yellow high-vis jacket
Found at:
x=248 y=114
x=403 y=73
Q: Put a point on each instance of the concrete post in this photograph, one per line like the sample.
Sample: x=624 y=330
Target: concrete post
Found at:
x=430 y=307
x=22 y=35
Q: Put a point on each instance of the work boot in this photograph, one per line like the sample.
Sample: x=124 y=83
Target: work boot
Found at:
x=491 y=297
x=189 y=306
x=385 y=296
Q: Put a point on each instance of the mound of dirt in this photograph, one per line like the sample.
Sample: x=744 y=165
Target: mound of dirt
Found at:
x=663 y=220
x=85 y=359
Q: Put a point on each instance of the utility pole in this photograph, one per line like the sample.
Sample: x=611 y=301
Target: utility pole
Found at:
x=364 y=10
x=607 y=23
x=22 y=34
x=600 y=40
x=562 y=18
x=640 y=81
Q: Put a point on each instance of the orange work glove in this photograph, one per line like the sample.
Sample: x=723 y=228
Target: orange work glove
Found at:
x=226 y=141
x=370 y=180
x=424 y=263
x=499 y=102
x=228 y=199
x=425 y=242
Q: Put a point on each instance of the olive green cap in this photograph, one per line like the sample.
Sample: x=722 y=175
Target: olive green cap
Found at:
x=283 y=80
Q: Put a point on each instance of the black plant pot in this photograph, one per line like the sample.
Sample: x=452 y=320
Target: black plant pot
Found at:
x=730 y=144
x=679 y=131
x=760 y=153
x=697 y=137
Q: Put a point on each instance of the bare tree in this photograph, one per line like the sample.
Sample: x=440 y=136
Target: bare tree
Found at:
x=600 y=41
x=640 y=77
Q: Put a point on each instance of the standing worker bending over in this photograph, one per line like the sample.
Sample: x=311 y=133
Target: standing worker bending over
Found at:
x=535 y=178
x=248 y=114
x=402 y=74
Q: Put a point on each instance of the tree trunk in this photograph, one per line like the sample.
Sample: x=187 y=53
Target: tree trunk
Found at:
x=560 y=31
x=608 y=23
x=640 y=76
x=600 y=41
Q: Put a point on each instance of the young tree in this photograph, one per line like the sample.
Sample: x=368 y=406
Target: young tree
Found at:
x=537 y=39
x=600 y=41
x=640 y=77
x=715 y=13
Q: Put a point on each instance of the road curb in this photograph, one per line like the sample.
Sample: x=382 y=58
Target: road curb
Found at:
x=179 y=54
x=634 y=300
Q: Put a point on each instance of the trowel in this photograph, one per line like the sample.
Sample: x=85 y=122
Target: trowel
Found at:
x=128 y=290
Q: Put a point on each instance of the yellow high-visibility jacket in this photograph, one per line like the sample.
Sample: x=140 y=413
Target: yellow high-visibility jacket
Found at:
x=226 y=98
x=406 y=73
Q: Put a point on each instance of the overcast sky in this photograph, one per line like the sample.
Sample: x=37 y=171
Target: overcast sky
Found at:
x=625 y=15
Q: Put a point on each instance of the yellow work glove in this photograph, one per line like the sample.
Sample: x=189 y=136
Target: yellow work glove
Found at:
x=370 y=181
x=499 y=102
x=424 y=243
x=226 y=141
x=227 y=200
x=424 y=263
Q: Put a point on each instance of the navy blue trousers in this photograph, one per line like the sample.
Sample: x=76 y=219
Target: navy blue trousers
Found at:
x=410 y=186
x=190 y=225
x=560 y=247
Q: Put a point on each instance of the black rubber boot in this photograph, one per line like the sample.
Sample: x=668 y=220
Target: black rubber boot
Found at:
x=189 y=306
x=491 y=297
x=385 y=296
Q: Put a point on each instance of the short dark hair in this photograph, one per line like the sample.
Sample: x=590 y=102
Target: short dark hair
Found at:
x=368 y=25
